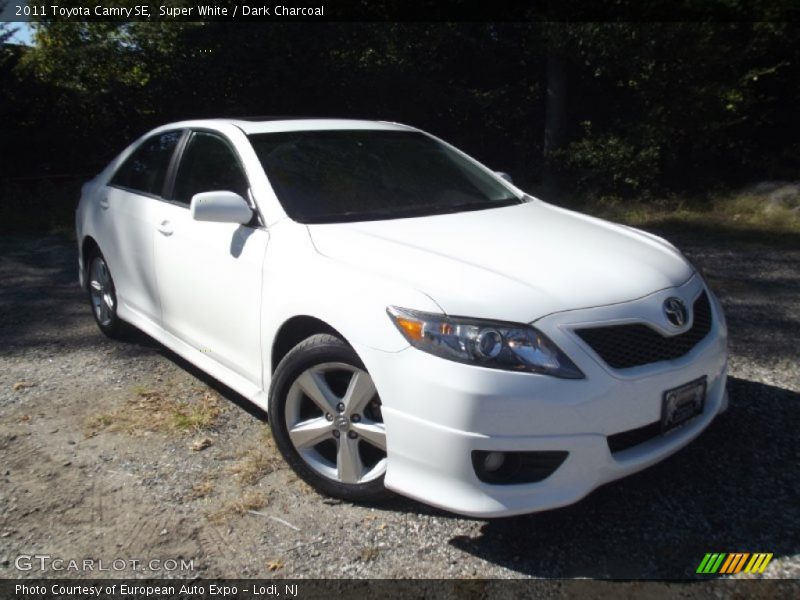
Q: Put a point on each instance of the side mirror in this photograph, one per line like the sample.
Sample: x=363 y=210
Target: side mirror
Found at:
x=220 y=207
x=505 y=176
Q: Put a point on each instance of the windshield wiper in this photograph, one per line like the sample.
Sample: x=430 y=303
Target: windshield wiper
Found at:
x=478 y=205
x=352 y=216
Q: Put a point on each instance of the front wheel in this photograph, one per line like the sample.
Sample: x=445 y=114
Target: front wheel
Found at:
x=103 y=296
x=326 y=419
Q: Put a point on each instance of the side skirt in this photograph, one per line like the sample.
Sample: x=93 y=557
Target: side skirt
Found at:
x=202 y=361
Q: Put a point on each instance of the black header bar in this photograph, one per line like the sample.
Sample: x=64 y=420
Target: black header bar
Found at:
x=403 y=10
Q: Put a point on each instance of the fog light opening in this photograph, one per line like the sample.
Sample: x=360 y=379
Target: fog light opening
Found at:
x=493 y=461
x=504 y=468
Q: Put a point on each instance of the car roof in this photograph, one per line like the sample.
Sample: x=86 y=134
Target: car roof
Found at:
x=253 y=125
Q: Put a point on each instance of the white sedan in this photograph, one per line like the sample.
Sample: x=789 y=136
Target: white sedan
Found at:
x=410 y=320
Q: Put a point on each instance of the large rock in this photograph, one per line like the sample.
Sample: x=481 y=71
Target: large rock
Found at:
x=778 y=194
x=787 y=195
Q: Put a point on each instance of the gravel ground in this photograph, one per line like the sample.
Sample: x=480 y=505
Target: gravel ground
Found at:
x=87 y=471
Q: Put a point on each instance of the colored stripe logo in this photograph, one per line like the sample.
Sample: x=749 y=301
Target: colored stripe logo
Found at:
x=734 y=562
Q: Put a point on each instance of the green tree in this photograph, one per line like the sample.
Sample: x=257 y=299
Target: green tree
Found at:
x=676 y=105
x=96 y=85
x=650 y=106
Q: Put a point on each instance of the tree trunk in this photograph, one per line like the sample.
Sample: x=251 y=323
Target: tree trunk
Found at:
x=555 y=118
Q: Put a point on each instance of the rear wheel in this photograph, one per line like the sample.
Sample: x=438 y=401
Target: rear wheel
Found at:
x=103 y=296
x=326 y=419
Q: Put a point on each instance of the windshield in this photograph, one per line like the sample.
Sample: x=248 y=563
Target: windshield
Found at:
x=360 y=175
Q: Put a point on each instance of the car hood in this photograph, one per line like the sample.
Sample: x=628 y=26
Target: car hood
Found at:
x=516 y=263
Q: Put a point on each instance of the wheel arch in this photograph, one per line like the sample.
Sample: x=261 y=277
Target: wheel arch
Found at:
x=293 y=331
x=88 y=245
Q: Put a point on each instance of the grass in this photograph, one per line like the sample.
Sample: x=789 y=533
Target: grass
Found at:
x=301 y=486
x=166 y=411
x=369 y=553
x=258 y=460
x=745 y=212
x=275 y=564
x=201 y=489
x=250 y=500
x=252 y=464
x=153 y=411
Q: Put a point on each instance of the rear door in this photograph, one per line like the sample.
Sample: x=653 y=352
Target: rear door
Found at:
x=210 y=274
x=129 y=207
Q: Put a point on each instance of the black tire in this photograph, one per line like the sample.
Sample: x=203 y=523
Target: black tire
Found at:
x=317 y=351
x=108 y=322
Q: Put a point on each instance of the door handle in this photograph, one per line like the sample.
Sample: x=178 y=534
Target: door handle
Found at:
x=104 y=204
x=165 y=227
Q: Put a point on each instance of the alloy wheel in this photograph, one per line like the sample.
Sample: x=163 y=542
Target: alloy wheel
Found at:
x=334 y=421
x=101 y=290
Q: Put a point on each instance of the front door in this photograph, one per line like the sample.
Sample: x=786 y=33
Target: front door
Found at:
x=209 y=275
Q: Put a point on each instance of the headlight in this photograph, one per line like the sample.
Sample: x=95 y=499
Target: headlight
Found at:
x=494 y=345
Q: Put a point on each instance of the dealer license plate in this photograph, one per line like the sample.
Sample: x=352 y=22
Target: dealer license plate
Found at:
x=682 y=404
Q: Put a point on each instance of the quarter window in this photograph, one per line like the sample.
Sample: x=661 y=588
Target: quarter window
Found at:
x=146 y=169
x=208 y=164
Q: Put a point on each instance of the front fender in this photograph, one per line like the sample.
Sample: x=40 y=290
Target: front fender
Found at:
x=350 y=300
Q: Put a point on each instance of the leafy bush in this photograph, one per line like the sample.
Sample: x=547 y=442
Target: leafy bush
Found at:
x=608 y=163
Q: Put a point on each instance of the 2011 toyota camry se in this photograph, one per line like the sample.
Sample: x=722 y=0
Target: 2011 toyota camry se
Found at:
x=410 y=320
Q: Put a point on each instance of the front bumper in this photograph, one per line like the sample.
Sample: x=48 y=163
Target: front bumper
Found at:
x=438 y=412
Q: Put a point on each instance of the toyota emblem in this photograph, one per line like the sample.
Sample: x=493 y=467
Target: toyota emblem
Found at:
x=675 y=310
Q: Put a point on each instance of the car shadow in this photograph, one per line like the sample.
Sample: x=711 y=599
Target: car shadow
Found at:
x=134 y=342
x=140 y=338
x=735 y=489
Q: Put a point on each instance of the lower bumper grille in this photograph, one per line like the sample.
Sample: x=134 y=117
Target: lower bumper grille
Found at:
x=633 y=437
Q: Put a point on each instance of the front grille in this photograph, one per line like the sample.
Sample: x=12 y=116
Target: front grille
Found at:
x=626 y=346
